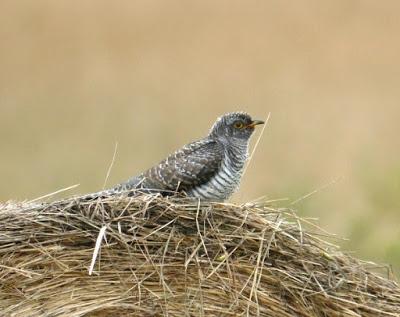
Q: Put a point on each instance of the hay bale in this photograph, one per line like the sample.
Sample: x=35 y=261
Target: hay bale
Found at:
x=173 y=257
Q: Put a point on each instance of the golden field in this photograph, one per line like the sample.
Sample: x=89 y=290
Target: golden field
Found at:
x=151 y=76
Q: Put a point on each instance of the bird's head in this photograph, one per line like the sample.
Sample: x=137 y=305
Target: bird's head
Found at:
x=235 y=125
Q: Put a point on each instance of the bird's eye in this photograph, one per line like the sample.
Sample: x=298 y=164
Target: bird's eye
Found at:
x=238 y=125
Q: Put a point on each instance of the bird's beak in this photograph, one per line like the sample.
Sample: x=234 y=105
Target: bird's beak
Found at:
x=255 y=122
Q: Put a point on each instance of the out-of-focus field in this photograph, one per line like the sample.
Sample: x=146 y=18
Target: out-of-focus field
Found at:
x=75 y=78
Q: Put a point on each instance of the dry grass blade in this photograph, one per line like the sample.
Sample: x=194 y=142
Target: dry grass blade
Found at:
x=257 y=142
x=175 y=257
x=315 y=191
x=111 y=165
x=97 y=248
x=54 y=193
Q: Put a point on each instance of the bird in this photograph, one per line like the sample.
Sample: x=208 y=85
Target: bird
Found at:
x=209 y=169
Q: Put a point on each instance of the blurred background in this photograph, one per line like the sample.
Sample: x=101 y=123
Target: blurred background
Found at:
x=75 y=79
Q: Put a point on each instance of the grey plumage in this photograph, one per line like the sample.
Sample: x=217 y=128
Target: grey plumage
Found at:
x=210 y=168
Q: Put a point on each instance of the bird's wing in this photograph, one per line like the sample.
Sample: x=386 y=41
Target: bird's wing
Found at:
x=193 y=165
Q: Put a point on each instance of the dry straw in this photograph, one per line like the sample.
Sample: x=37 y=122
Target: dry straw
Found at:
x=154 y=256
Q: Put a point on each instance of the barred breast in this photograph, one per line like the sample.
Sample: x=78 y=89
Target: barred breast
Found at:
x=226 y=181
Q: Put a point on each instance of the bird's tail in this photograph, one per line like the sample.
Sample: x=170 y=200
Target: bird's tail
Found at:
x=128 y=188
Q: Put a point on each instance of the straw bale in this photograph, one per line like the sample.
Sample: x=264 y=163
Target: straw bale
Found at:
x=155 y=256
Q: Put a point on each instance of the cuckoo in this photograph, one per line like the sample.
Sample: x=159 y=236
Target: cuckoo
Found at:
x=209 y=169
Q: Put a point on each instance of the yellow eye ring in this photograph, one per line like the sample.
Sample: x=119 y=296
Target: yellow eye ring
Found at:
x=238 y=125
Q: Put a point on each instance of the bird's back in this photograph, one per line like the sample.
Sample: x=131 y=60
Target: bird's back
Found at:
x=191 y=166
